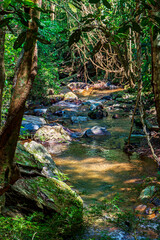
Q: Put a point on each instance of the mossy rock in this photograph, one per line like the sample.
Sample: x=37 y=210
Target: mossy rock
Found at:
x=42 y=156
x=54 y=133
x=26 y=159
x=51 y=194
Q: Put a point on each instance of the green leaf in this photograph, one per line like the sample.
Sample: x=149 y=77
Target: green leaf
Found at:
x=136 y=27
x=94 y=1
x=153 y=2
x=4 y=22
x=72 y=7
x=20 y=40
x=106 y=4
x=6 y=3
x=75 y=37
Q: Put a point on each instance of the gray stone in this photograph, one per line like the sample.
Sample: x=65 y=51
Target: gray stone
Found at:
x=40 y=111
x=55 y=133
x=96 y=131
x=32 y=123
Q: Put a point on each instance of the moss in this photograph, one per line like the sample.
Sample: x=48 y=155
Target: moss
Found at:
x=51 y=193
x=25 y=158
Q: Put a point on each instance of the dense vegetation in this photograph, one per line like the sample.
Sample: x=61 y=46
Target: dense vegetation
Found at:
x=44 y=44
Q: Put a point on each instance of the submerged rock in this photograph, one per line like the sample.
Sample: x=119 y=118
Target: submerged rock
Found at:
x=56 y=133
x=96 y=131
x=79 y=119
x=97 y=114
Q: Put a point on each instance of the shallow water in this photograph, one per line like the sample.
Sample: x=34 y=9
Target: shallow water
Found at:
x=98 y=169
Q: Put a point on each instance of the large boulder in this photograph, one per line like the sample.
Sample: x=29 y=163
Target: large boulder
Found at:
x=38 y=190
x=32 y=123
x=55 y=133
x=50 y=194
x=96 y=132
x=33 y=159
x=42 y=156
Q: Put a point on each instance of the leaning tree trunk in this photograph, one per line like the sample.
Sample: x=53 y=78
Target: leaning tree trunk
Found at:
x=2 y=68
x=24 y=77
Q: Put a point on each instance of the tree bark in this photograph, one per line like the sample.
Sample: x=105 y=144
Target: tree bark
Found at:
x=53 y=12
x=155 y=50
x=2 y=67
x=156 y=73
x=23 y=79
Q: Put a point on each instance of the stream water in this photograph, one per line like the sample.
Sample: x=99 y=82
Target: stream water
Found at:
x=101 y=172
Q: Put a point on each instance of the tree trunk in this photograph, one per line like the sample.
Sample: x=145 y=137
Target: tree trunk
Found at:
x=2 y=68
x=155 y=43
x=23 y=79
x=53 y=12
x=155 y=50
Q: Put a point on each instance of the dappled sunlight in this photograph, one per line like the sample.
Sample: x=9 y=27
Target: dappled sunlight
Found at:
x=97 y=177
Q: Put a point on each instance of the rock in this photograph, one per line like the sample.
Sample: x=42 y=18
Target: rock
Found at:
x=51 y=194
x=54 y=109
x=156 y=201
x=55 y=147
x=147 y=192
x=56 y=133
x=76 y=85
x=70 y=96
x=97 y=114
x=96 y=131
x=106 y=98
x=40 y=111
x=42 y=156
x=42 y=191
x=65 y=104
x=97 y=105
x=116 y=116
x=32 y=123
x=50 y=91
x=140 y=209
x=78 y=119
x=25 y=158
x=69 y=113
x=100 y=86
